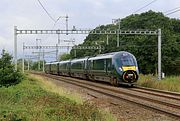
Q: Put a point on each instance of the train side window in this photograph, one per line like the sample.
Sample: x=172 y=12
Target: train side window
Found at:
x=77 y=65
x=98 y=64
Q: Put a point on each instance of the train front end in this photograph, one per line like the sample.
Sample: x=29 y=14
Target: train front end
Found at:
x=126 y=68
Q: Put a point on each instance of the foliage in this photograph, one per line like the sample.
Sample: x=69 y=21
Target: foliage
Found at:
x=171 y=83
x=48 y=85
x=143 y=47
x=29 y=101
x=7 y=72
x=35 y=65
x=19 y=63
x=64 y=56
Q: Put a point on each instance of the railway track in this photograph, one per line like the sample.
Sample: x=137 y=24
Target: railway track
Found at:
x=165 y=102
x=156 y=92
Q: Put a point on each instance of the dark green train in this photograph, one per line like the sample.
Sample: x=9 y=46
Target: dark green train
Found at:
x=115 y=68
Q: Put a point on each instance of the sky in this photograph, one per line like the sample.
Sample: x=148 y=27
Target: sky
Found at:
x=83 y=14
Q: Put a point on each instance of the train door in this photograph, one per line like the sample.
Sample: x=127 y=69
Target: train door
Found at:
x=108 y=66
x=49 y=68
x=90 y=69
x=85 y=66
x=57 y=68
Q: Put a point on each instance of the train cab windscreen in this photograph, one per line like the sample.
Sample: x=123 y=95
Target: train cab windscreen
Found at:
x=127 y=60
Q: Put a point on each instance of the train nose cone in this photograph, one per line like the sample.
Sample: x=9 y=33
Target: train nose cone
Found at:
x=129 y=76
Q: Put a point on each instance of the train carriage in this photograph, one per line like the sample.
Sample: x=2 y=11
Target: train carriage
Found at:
x=64 y=68
x=115 y=68
x=54 y=68
x=79 y=68
x=100 y=67
x=47 y=67
x=125 y=68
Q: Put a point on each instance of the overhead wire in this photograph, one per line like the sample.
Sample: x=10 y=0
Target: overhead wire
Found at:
x=139 y=46
x=50 y=16
x=46 y=11
x=171 y=10
x=54 y=26
x=56 y=21
x=144 y=6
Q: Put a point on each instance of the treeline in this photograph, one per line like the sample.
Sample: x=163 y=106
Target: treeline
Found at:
x=142 y=46
x=33 y=65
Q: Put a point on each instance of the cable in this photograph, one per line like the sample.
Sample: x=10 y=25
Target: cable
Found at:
x=144 y=6
x=46 y=11
x=55 y=25
x=55 y=21
x=139 y=46
x=172 y=12
x=58 y=20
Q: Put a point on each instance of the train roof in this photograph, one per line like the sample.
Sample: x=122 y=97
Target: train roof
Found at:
x=62 y=62
x=107 y=55
x=54 y=62
x=48 y=63
x=100 y=56
x=51 y=63
x=80 y=59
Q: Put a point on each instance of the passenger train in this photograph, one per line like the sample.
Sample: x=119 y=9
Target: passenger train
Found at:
x=115 y=68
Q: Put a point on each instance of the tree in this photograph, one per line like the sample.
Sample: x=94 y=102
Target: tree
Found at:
x=143 y=47
x=65 y=56
x=35 y=65
x=7 y=72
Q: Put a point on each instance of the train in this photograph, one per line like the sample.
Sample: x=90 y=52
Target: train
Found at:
x=116 y=68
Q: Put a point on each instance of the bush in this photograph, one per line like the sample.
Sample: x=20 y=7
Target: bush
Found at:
x=7 y=72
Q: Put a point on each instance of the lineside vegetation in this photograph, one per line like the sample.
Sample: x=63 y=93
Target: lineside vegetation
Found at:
x=8 y=75
x=30 y=100
x=143 y=47
x=171 y=83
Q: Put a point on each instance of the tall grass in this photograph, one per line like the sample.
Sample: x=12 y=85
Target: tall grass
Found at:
x=171 y=83
x=49 y=86
x=29 y=101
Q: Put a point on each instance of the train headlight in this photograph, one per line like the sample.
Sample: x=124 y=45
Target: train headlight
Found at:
x=120 y=69
x=137 y=69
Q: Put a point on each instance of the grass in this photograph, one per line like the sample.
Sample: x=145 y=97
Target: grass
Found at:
x=49 y=86
x=171 y=83
x=41 y=101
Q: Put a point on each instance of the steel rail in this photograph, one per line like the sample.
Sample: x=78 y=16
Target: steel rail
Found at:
x=157 y=90
x=109 y=92
x=158 y=93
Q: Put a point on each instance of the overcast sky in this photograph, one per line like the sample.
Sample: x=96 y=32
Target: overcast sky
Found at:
x=28 y=14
